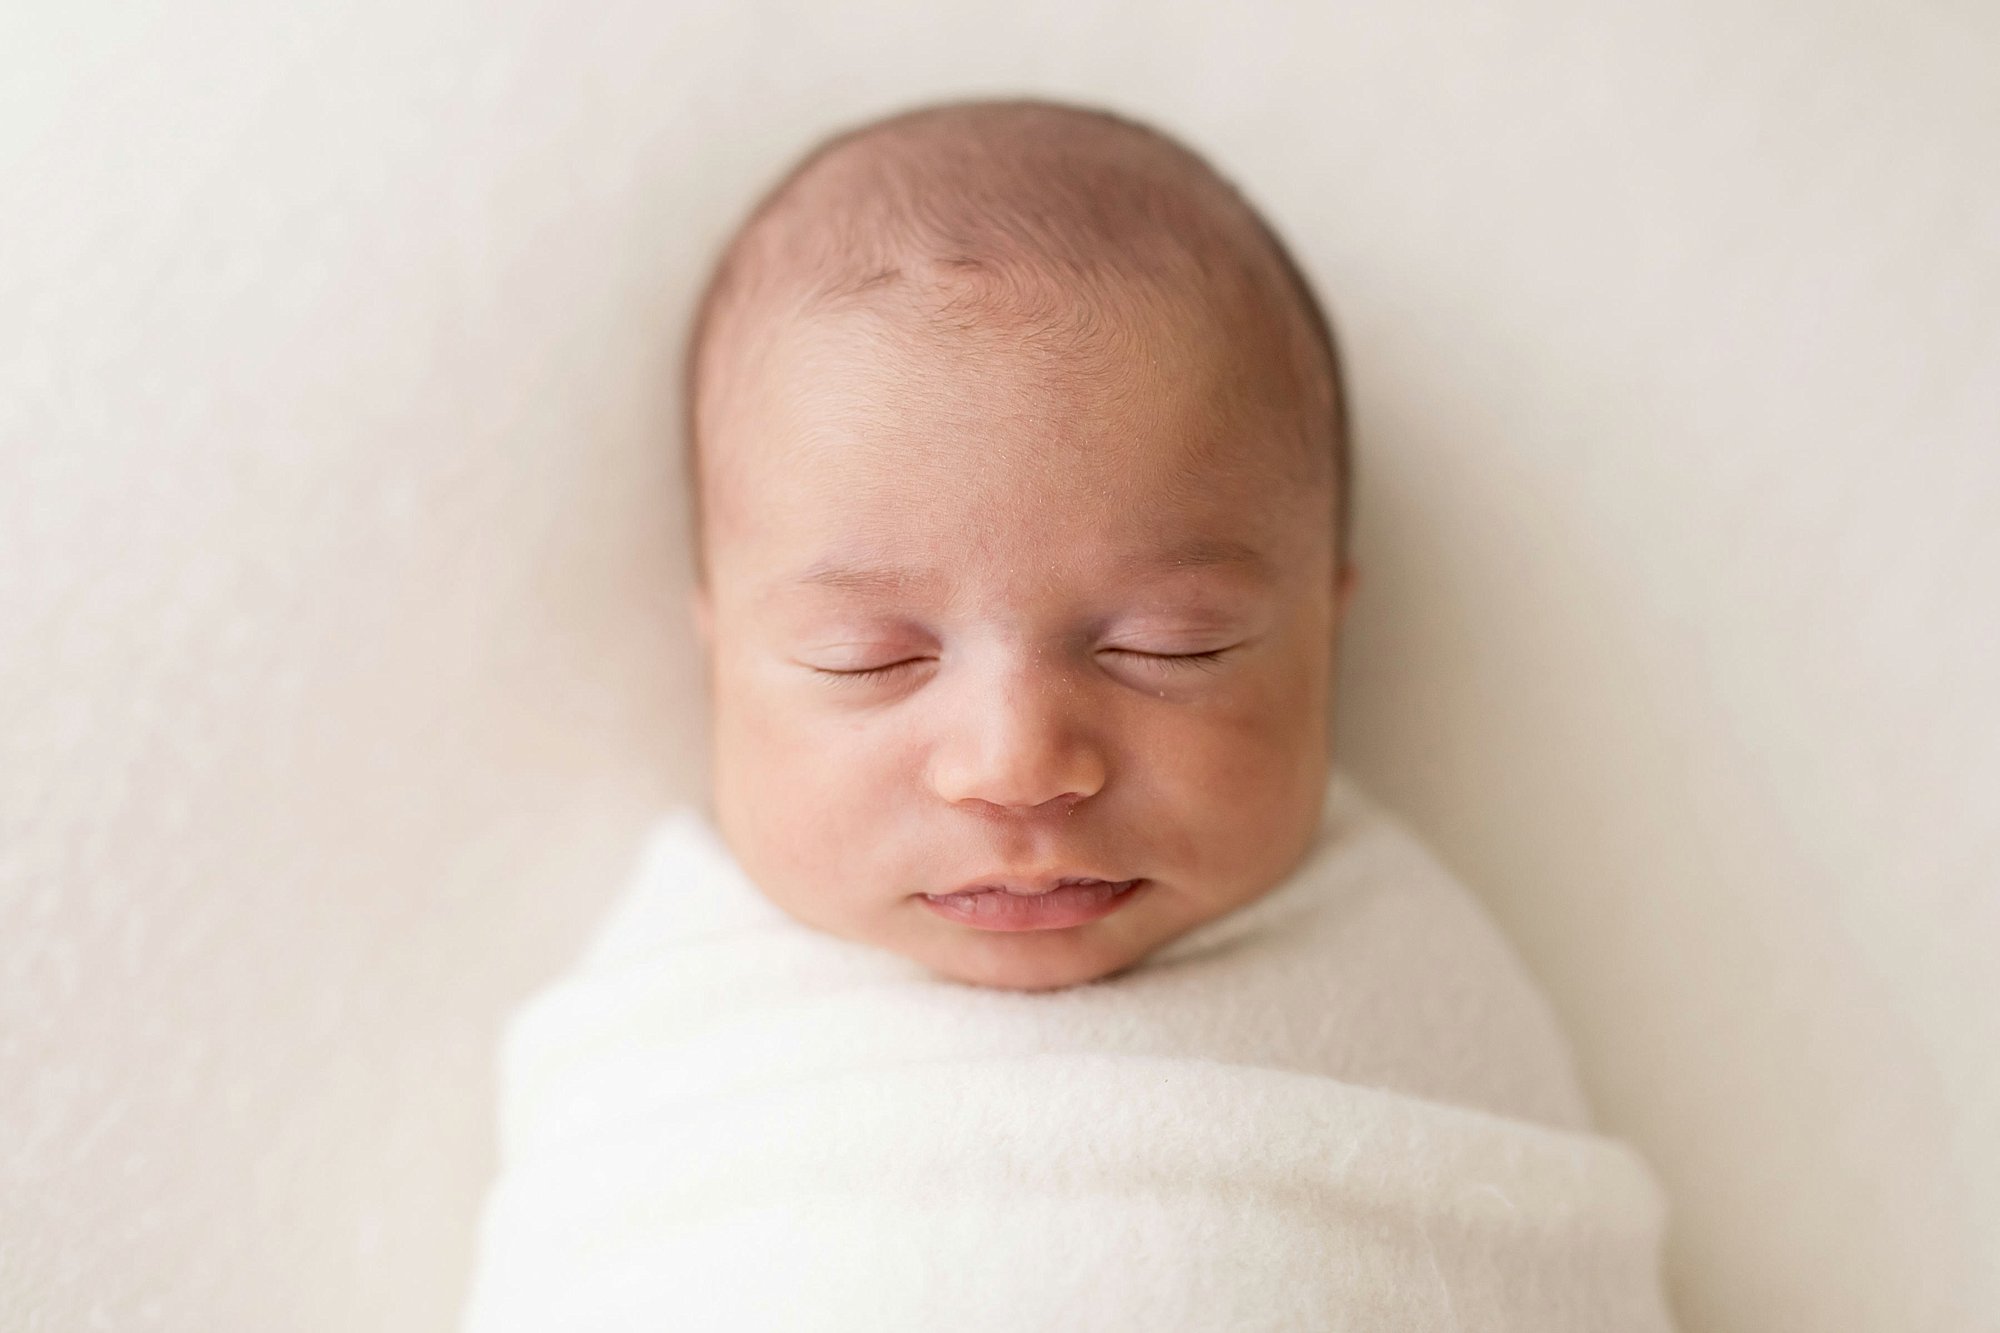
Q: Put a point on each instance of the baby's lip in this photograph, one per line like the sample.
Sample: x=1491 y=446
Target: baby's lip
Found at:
x=1031 y=885
x=1049 y=904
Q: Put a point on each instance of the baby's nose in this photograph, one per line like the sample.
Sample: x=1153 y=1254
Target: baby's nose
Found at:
x=1021 y=746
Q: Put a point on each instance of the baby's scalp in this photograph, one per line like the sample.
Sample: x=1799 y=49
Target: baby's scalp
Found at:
x=1041 y=228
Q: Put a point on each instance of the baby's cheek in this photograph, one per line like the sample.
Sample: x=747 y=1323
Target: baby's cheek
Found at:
x=762 y=765
x=825 y=783
x=1247 y=771
x=1253 y=735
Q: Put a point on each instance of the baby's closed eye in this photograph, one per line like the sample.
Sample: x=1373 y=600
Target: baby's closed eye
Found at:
x=1160 y=659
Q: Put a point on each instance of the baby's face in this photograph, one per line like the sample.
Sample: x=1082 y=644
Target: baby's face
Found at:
x=974 y=617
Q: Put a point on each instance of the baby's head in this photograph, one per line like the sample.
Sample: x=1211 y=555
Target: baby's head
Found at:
x=1018 y=452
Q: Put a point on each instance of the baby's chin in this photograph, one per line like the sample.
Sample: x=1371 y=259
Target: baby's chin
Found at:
x=1042 y=960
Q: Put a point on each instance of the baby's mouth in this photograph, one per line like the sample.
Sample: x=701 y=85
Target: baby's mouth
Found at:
x=1001 y=906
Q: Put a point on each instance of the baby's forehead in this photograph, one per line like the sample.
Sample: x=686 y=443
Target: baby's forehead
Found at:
x=975 y=465
x=1115 y=398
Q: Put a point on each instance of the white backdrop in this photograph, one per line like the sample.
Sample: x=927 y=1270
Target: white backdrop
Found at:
x=341 y=658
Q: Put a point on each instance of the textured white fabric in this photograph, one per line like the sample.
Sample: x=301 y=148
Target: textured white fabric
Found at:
x=1344 y=1106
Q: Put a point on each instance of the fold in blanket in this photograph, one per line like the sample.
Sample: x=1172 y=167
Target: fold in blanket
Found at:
x=1343 y=1106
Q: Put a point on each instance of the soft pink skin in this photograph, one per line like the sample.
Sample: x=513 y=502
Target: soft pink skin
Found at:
x=1026 y=730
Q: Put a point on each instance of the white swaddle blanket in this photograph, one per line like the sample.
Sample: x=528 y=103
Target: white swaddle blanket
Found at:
x=1343 y=1106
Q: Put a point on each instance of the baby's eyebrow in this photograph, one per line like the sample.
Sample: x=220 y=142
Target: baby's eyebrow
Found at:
x=1196 y=554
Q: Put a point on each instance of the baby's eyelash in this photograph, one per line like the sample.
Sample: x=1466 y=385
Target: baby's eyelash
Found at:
x=1196 y=661
x=1173 y=661
x=867 y=673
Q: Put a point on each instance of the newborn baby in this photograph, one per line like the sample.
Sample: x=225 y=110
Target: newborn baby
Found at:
x=1020 y=461
x=1034 y=969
